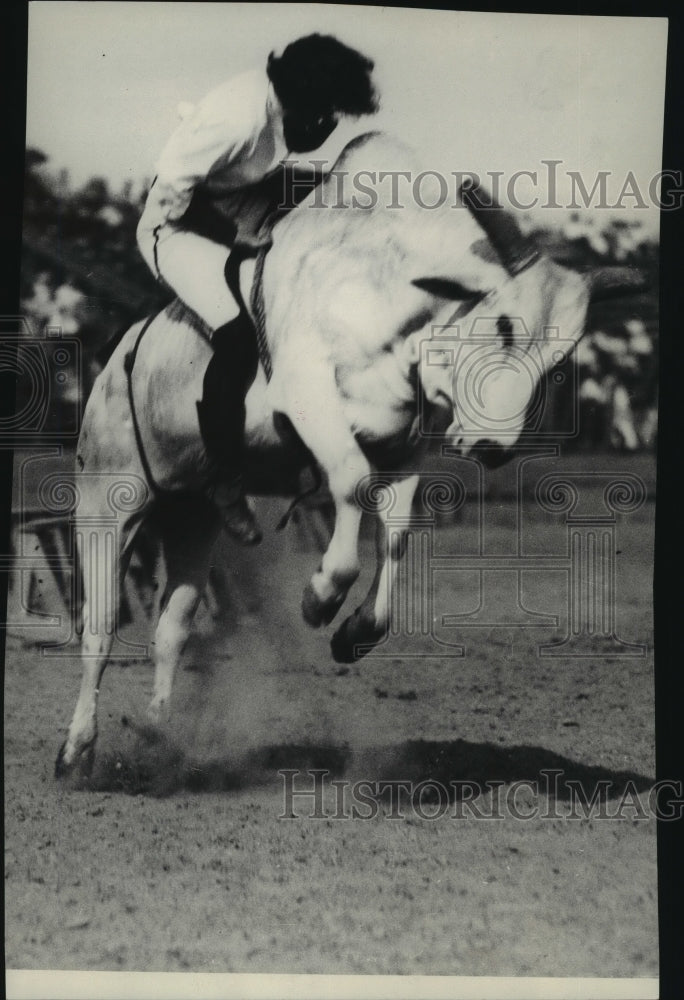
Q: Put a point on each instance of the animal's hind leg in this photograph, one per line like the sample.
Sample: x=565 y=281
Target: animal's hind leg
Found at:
x=104 y=550
x=189 y=531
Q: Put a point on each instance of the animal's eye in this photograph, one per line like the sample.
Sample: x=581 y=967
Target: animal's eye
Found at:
x=504 y=328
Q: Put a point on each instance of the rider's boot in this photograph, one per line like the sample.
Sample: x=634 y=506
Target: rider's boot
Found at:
x=221 y=412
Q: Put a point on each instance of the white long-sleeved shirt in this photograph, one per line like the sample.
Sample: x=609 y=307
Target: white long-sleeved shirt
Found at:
x=232 y=138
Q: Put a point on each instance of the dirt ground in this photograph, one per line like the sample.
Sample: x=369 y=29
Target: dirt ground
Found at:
x=174 y=855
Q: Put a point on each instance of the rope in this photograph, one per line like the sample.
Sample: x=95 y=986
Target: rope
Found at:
x=129 y=363
x=259 y=310
x=318 y=482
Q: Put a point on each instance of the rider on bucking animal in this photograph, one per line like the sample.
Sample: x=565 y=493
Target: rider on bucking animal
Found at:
x=236 y=136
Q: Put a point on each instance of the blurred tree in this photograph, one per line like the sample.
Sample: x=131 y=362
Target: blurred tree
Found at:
x=94 y=195
x=63 y=183
x=34 y=158
x=81 y=263
x=38 y=198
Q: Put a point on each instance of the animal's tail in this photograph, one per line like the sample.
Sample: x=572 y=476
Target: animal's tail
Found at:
x=76 y=609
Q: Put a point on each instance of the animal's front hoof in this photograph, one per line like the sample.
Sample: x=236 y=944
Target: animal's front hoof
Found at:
x=356 y=637
x=81 y=762
x=317 y=612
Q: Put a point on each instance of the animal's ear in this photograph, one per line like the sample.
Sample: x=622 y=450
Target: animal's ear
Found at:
x=612 y=282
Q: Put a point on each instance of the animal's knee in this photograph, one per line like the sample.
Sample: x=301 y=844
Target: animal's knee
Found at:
x=344 y=477
x=173 y=629
x=180 y=603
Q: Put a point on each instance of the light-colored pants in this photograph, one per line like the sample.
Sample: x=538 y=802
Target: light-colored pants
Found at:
x=192 y=266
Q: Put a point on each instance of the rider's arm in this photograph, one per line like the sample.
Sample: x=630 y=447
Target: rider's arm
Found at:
x=224 y=126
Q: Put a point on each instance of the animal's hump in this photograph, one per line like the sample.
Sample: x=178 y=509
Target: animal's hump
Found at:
x=376 y=150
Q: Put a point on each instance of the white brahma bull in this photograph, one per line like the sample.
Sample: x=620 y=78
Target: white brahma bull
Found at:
x=352 y=295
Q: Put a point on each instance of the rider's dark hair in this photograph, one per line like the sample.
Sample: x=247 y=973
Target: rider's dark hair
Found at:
x=318 y=74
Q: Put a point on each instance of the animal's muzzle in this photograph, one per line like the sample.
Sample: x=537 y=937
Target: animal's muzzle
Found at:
x=491 y=455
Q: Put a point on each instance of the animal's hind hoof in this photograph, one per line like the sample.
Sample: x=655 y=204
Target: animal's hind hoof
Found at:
x=83 y=762
x=157 y=713
x=61 y=768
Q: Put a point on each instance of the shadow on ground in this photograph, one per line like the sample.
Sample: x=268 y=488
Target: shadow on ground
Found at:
x=154 y=765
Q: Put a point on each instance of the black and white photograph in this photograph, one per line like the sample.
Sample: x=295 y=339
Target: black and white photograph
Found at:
x=329 y=642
